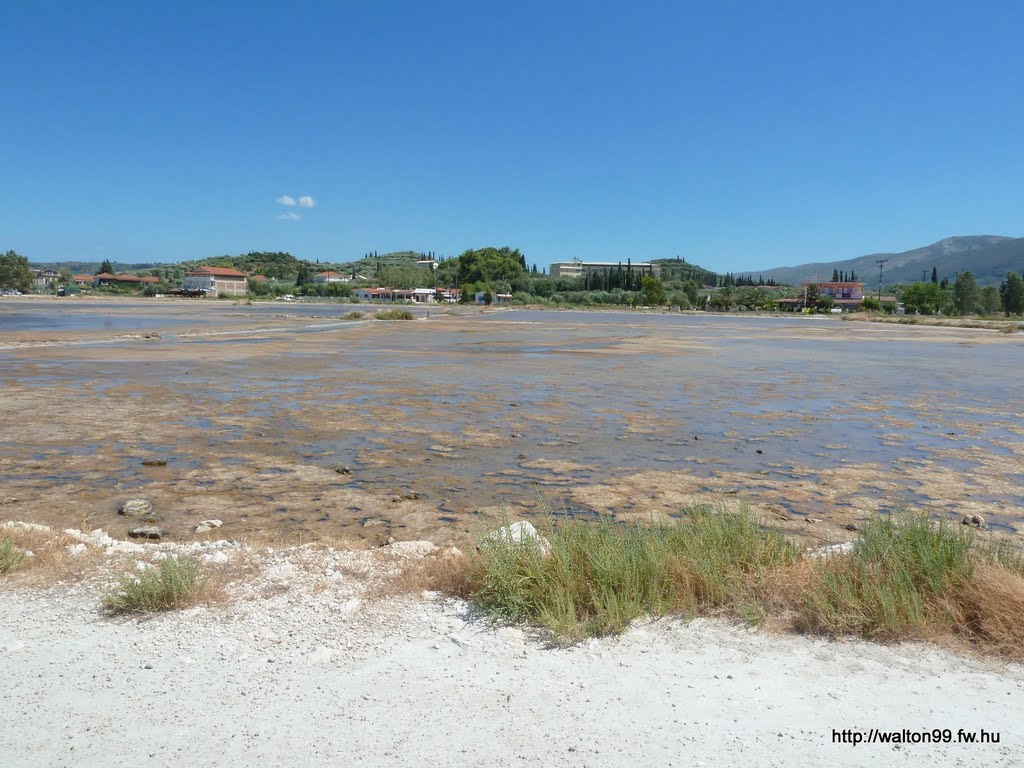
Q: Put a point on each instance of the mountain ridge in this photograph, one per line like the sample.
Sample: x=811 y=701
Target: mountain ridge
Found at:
x=989 y=257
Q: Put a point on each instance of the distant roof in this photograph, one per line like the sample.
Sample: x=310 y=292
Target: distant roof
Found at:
x=329 y=274
x=601 y=264
x=82 y=278
x=259 y=278
x=123 y=278
x=215 y=271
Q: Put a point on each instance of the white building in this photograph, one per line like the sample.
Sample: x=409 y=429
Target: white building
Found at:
x=216 y=280
x=577 y=268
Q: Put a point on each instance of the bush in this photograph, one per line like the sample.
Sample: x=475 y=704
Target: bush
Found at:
x=11 y=557
x=600 y=576
x=353 y=315
x=896 y=581
x=173 y=584
x=395 y=314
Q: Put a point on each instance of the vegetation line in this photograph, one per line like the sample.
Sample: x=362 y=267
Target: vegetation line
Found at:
x=905 y=577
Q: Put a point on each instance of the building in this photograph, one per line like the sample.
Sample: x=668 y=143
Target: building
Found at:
x=44 y=279
x=105 y=278
x=842 y=293
x=415 y=295
x=496 y=298
x=82 y=280
x=324 y=278
x=577 y=268
x=215 y=281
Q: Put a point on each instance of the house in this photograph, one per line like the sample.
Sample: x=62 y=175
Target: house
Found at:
x=496 y=298
x=259 y=279
x=105 y=278
x=42 y=279
x=415 y=295
x=82 y=280
x=842 y=293
x=324 y=278
x=448 y=295
x=577 y=268
x=215 y=281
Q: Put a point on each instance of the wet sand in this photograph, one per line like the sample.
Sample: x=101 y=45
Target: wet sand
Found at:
x=448 y=423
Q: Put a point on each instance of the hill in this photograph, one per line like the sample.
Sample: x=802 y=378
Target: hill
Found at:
x=989 y=257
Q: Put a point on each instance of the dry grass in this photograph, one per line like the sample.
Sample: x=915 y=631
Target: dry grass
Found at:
x=52 y=558
x=1004 y=325
x=445 y=572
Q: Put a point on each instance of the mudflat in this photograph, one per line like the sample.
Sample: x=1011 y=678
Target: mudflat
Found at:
x=286 y=421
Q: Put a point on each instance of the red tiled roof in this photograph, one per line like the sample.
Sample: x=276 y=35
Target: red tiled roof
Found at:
x=259 y=278
x=329 y=274
x=82 y=278
x=216 y=272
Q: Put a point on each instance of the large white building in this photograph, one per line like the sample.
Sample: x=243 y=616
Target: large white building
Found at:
x=577 y=268
x=217 y=280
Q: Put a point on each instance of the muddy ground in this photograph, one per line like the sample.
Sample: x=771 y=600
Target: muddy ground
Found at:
x=447 y=423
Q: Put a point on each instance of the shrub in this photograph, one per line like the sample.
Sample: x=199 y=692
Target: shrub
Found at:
x=355 y=314
x=11 y=557
x=600 y=576
x=395 y=314
x=172 y=584
x=896 y=581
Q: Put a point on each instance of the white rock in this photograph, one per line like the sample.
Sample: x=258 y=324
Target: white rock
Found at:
x=136 y=507
x=208 y=525
x=409 y=549
x=520 y=532
x=77 y=549
x=832 y=549
x=216 y=557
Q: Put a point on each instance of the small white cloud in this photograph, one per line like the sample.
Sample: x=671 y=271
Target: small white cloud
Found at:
x=285 y=200
x=307 y=202
x=289 y=216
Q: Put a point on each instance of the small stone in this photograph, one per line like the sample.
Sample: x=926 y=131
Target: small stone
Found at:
x=759 y=451
x=208 y=525
x=150 y=532
x=975 y=521
x=76 y=549
x=154 y=462
x=850 y=526
x=343 y=469
x=9 y=500
x=134 y=507
x=813 y=520
x=375 y=522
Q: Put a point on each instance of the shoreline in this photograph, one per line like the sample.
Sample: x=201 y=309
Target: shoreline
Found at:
x=306 y=659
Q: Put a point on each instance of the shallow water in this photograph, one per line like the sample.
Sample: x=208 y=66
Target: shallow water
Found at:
x=573 y=412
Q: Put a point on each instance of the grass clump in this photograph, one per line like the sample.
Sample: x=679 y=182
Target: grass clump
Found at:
x=395 y=314
x=908 y=577
x=11 y=557
x=594 y=578
x=355 y=314
x=172 y=584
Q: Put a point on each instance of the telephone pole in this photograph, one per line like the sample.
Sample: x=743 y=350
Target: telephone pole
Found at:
x=880 y=262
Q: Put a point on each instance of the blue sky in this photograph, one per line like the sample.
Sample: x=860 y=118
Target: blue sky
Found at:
x=739 y=135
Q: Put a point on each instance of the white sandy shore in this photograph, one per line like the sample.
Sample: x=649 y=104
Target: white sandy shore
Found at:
x=300 y=671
